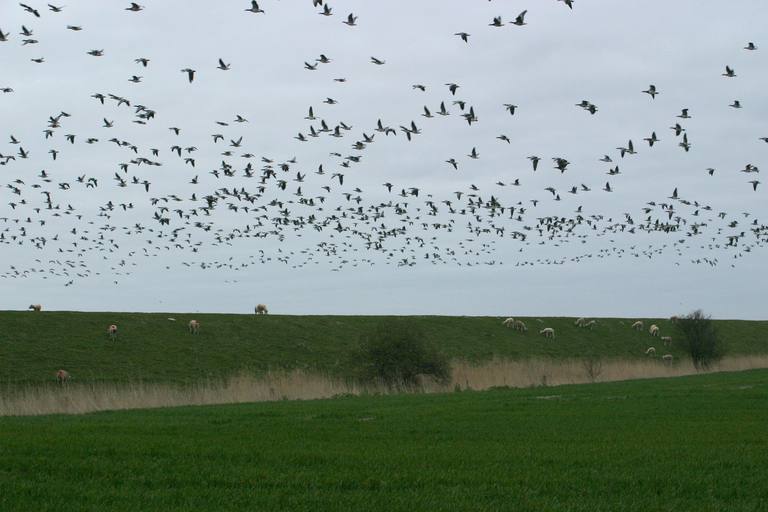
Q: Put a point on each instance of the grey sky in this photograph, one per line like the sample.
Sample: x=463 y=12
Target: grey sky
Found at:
x=606 y=52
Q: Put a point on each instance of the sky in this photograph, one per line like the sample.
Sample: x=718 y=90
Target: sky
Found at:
x=602 y=51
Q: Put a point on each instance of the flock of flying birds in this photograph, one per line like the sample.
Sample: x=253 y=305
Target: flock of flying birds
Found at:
x=320 y=204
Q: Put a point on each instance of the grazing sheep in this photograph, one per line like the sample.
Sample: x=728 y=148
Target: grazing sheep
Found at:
x=667 y=358
x=651 y=351
x=509 y=322
x=261 y=309
x=519 y=325
x=667 y=340
x=547 y=332
x=638 y=326
x=171 y=319
x=35 y=307
x=674 y=318
x=194 y=327
x=653 y=330
x=62 y=376
x=590 y=325
x=580 y=322
x=112 y=332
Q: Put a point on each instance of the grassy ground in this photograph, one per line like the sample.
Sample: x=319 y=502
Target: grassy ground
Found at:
x=688 y=444
x=150 y=347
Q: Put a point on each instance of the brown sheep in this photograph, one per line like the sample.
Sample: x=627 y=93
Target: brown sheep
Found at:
x=62 y=376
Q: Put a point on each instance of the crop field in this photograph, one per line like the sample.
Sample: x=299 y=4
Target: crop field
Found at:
x=151 y=348
x=686 y=444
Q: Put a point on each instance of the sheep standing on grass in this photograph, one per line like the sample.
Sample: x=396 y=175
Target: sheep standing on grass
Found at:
x=112 y=332
x=509 y=322
x=654 y=330
x=194 y=327
x=590 y=325
x=35 y=307
x=667 y=340
x=667 y=358
x=580 y=322
x=62 y=376
x=261 y=309
x=638 y=326
x=651 y=351
x=519 y=325
x=547 y=332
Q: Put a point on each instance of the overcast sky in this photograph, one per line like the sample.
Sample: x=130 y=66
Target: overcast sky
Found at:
x=603 y=51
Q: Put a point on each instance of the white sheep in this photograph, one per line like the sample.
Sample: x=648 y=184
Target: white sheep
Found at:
x=171 y=319
x=580 y=322
x=667 y=340
x=35 y=307
x=654 y=330
x=667 y=358
x=509 y=322
x=62 y=376
x=194 y=327
x=519 y=325
x=590 y=325
x=261 y=309
x=547 y=332
x=638 y=326
x=651 y=351
x=112 y=332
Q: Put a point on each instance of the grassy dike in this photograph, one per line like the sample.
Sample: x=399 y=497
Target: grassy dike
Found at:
x=152 y=348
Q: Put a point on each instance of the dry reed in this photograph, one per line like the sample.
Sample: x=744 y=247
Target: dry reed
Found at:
x=77 y=398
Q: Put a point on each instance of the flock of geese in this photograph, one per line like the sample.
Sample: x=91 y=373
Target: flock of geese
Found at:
x=318 y=209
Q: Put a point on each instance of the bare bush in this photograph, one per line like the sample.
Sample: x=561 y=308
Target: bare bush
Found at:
x=700 y=339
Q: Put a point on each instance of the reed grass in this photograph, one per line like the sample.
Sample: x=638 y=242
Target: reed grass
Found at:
x=82 y=398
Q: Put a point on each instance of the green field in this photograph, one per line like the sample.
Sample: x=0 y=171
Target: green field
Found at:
x=152 y=348
x=688 y=444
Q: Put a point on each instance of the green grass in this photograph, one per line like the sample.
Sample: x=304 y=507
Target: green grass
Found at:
x=688 y=444
x=34 y=345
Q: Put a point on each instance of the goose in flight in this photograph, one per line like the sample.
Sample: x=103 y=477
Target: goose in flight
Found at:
x=255 y=8
x=190 y=73
x=652 y=91
x=134 y=7
x=520 y=20
x=31 y=10
x=496 y=22
x=463 y=35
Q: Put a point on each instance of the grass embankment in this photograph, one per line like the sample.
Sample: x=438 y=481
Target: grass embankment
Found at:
x=688 y=444
x=152 y=348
